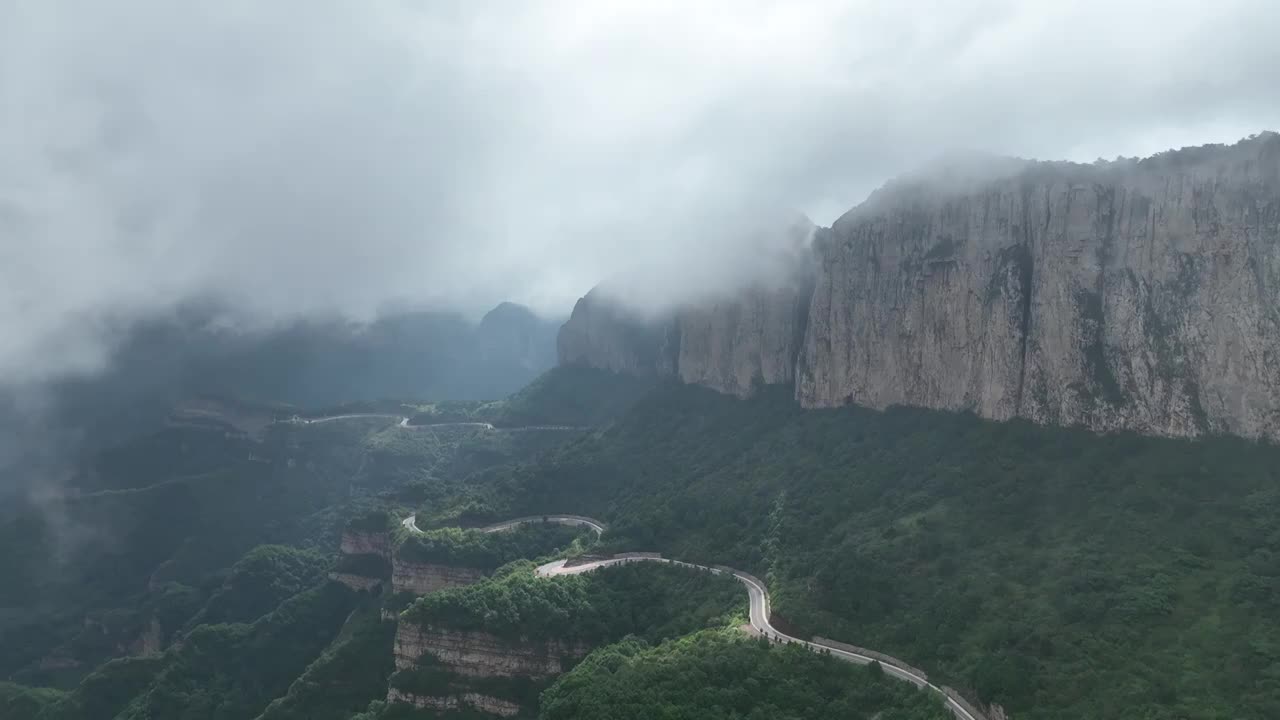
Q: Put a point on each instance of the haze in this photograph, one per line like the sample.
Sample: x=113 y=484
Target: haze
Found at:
x=293 y=158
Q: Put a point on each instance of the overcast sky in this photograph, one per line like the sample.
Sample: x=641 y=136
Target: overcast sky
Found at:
x=301 y=157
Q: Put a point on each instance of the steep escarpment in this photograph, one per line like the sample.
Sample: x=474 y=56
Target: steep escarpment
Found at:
x=481 y=654
x=603 y=333
x=1128 y=295
x=1138 y=294
x=728 y=340
x=455 y=701
x=421 y=578
x=732 y=343
x=365 y=559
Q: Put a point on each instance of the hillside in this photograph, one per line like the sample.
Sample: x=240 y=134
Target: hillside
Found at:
x=1059 y=573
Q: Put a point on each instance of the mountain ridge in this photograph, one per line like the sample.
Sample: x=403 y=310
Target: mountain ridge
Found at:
x=1125 y=295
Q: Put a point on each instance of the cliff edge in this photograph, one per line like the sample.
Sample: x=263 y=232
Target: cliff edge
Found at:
x=1131 y=295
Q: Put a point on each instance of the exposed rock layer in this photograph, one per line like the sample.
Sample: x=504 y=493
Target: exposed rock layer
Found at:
x=479 y=654
x=1141 y=295
x=423 y=578
x=366 y=543
x=476 y=701
x=601 y=333
x=355 y=582
x=733 y=343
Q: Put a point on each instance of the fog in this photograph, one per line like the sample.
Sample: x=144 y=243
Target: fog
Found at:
x=299 y=158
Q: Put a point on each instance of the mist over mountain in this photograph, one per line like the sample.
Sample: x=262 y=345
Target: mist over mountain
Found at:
x=306 y=364
x=1139 y=294
x=454 y=155
x=636 y=358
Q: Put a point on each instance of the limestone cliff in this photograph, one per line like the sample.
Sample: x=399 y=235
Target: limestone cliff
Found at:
x=422 y=578
x=456 y=701
x=1137 y=294
x=1130 y=295
x=355 y=542
x=479 y=654
x=601 y=333
x=728 y=340
x=732 y=343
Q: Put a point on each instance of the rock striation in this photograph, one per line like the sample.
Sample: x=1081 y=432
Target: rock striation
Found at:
x=480 y=654
x=728 y=340
x=366 y=543
x=462 y=700
x=603 y=333
x=1133 y=295
x=423 y=578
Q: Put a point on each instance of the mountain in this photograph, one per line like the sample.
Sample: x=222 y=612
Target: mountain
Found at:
x=1136 y=294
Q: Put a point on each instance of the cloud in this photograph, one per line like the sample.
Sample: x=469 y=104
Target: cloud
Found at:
x=297 y=157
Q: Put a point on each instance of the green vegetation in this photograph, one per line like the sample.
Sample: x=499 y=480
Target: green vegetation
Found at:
x=107 y=690
x=646 y=600
x=232 y=671
x=372 y=521
x=723 y=675
x=574 y=396
x=167 y=454
x=343 y=680
x=261 y=580
x=1057 y=572
x=649 y=600
x=162 y=544
x=369 y=566
x=25 y=703
x=487 y=551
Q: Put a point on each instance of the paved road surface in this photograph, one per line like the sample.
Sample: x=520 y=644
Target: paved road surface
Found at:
x=757 y=597
x=331 y=418
x=411 y=523
x=404 y=423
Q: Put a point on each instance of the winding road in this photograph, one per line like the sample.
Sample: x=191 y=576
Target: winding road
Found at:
x=404 y=423
x=757 y=597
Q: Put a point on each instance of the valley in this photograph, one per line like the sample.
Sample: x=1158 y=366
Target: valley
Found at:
x=981 y=426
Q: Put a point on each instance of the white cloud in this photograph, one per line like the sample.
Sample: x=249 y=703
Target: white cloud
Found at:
x=335 y=156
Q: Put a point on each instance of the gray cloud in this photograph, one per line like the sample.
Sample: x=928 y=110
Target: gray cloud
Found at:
x=293 y=158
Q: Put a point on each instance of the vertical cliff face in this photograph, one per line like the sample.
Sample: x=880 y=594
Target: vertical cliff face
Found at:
x=754 y=336
x=1138 y=295
x=602 y=333
x=480 y=654
x=422 y=578
x=356 y=542
x=728 y=340
x=456 y=701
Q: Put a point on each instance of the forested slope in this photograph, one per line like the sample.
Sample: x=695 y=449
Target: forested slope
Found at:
x=1058 y=572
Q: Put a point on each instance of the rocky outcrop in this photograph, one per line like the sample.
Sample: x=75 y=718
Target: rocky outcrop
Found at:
x=366 y=543
x=150 y=641
x=1128 y=295
x=423 y=578
x=601 y=333
x=1133 y=295
x=729 y=341
x=479 y=654
x=475 y=701
x=734 y=343
x=356 y=582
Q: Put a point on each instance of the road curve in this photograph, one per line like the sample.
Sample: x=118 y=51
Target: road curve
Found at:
x=757 y=597
x=404 y=423
x=411 y=523
x=350 y=416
